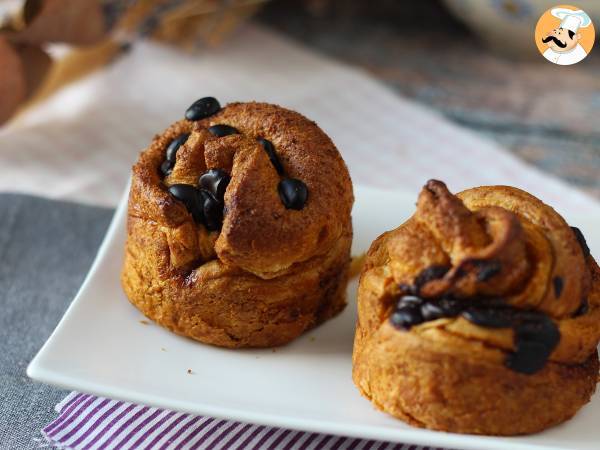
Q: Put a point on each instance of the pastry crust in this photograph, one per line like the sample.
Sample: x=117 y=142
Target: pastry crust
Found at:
x=270 y=273
x=449 y=373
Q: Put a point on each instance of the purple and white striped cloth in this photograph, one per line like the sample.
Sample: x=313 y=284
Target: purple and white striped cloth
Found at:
x=89 y=422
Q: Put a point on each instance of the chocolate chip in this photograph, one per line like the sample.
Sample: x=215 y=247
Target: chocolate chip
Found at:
x=535 y=339
x=557 y=282
x=490 y=318
x=487 y=269
x=406 y=300
x=529 y=357
x=185 y=193
x=189 y=196
x=200 y=109
x=407 y=289
x=460 y=272
x=432 y=311
x=493 y=302
x=523 y=316
x=222 y=130
x=293 y=193
x=212 y=211
x=584 y=307
x=406 y=317
x=215 y=181
x=166 y=167
x=174 y=146
x=430 y=273
x=270 y=149
x=581 y=239
x=451 y=306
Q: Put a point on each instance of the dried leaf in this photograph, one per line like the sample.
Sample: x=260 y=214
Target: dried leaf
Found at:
x=192 y=23
x=13 y=85
x=31 y=9
x=78 y=22
x=77 y=64
x=36 y=64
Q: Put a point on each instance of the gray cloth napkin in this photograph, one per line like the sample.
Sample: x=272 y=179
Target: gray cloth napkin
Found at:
x=46 y=248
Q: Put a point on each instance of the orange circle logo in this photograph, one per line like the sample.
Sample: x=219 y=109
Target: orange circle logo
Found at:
x=564 y=35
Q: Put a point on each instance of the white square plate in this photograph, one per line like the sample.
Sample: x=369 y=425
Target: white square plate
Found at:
x=101 y=347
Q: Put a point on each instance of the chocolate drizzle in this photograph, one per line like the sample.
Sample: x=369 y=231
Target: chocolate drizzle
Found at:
x=535 y=334
x=489 y=317
x=584 y=306
x=557 y=283
x=430 y=273
x=487 y=269
x=582 y=242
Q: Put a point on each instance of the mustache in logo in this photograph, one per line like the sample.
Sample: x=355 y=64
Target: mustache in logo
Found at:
x=556 y=41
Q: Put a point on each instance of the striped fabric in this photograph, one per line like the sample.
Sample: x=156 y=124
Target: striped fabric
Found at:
x=88 y=422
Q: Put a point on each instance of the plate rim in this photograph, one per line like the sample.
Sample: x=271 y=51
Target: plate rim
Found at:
x=414 y=436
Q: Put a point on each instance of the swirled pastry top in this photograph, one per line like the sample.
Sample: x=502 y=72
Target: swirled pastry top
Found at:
x=493 y=243
x=259 y=146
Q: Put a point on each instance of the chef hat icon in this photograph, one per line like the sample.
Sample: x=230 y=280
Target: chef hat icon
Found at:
x=571 y=20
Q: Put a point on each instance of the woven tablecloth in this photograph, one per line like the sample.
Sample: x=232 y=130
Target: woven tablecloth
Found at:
x=81 y=143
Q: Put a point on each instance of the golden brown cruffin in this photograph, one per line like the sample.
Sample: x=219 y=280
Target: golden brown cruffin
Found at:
x=269 y=273
x=480 y=314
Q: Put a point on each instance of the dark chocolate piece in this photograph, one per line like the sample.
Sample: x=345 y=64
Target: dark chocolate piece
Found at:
x=407 y=289
x=293 y=193
x=270 y=149
x=406 y=300
x=452 y=307
x=493 y=302
x=432 y=311
x=174 y=146
x=406 y=317
x=529 y=358
x=189 y=196
x=202 y=108
x=430 y=273
x=536 y=336
x=215 y=181
x=584 y=307
x=490 y=318
x=222 y=130
x=557 y=282
x=487 y=269
x=581 y=239
x=166 y=167
x=212 y=211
